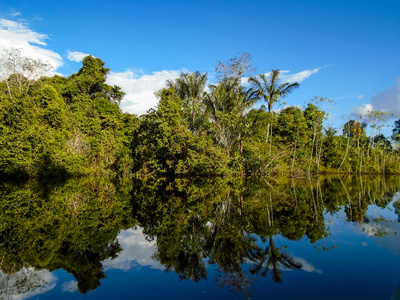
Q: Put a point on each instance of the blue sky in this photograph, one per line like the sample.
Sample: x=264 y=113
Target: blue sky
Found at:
x=347 y=51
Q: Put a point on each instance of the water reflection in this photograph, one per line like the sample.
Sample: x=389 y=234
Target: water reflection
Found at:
x=239 y=230
x=138 y=252
x=72 y=226
x=26 y=283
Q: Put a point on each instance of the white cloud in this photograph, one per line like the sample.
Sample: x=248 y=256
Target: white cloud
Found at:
x=297 y=77
x=362 y=110
x=70 y=286
x=76 y=55
x=244 y=81
x=18 y=35
x=140 y=89
x=137 y=251
x=26 y=283
x=389 y=100
x=306 y=266
x=15 y=14
x=391 y=238
x=285 y=76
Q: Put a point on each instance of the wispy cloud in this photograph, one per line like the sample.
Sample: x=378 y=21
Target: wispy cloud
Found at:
x=14 y=14
x=18 y=35
x=306 y=266
x=285 y=76
x=76 y=55
x=140 y=89
x=297 y=77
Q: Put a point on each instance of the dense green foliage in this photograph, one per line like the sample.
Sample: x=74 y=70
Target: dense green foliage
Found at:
x=240 y=226
x=71 y=226
x=65 y=126
x=59 y=127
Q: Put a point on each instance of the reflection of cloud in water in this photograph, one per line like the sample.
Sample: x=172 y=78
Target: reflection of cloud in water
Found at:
x=306 y=266
x=70 y=286
x=374 y=229
x=388 y=213
x=390 y=241
x=26 y=283
x=137 y=252
x=386 y=233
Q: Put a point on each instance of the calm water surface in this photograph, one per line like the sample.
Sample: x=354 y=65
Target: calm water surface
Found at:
x=307 y=238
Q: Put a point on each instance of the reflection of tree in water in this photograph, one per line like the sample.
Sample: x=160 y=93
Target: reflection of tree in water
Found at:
x=71 y=226
x=360 y=193
x=272 y=258
x=396 y=206
x=237 y=283
x=25 y=283
x=180 y=249
x=229 y=222
x=87 y=266
x=233 y=223
x=228 y=244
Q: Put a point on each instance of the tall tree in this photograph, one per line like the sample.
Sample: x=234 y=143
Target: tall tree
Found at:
x=235 y=67
x=190 y=88
x=354 y=128
x=269 y=87
x=396 y=131
x=226 y=105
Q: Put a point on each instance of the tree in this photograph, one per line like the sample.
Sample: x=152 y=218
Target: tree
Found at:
x=354 y=129
x=375 y=120
x=330 y=131
x=380 y=141
x=315 y=116
x=396 y=131
x=19 y=71
x=292 y=131
x=226 y=105
x=235 y=67
x=190 y=88
x=269 y=88
x=92 y=76
x=272 y=258
x=162 y=144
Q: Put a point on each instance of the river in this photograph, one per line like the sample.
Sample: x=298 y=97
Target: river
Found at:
x=333 y=237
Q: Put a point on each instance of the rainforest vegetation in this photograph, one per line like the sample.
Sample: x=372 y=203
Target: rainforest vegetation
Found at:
x=73 y=126
x=222 y=221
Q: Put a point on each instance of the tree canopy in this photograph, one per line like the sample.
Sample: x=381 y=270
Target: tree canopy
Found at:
x=72 y=126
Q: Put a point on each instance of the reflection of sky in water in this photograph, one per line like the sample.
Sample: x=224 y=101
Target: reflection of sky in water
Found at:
x=388 y=213
x=137 y=252
x=26 y=283
x=353 y=262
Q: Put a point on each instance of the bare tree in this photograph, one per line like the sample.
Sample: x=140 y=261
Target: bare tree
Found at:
x=236 y=67
x=20 y=72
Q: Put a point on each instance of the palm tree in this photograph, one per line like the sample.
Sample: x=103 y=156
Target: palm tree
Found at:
x=190 y=87
x=272 y=258
x=226 y=105
x=269 y=87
